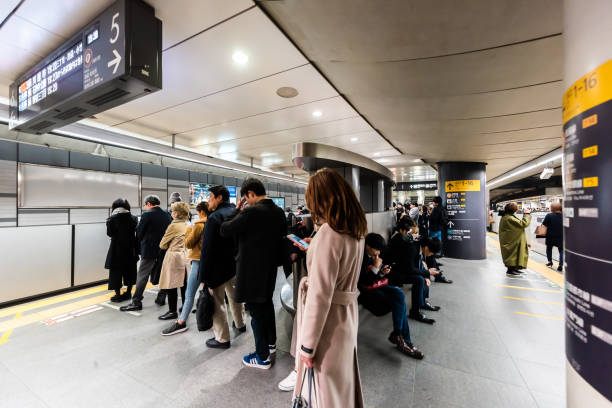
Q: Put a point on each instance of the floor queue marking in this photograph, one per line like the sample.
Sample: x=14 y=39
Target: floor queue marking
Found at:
x=524 y=288
x=7 y=334
x=539 y=315
x=71 y=315
x=549 y=302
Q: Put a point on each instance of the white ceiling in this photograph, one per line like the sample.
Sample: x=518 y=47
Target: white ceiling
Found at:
x=456 y=81
x=499 y=105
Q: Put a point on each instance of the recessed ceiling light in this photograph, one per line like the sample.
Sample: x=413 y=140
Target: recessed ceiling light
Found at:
x=317 y=113
x=240 y=57
x=416 y=160
x=354 y=139
x=377 y=154
x=287 y=92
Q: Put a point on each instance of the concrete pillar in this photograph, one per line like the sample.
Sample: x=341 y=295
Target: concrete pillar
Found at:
x=462 y=188
x=380 y=202
x=587 y=167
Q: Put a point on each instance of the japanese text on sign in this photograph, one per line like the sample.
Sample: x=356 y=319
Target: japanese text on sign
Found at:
x=462 y=185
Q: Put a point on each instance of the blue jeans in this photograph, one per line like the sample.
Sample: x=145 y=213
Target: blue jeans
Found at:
x=192 y=287
x=395 y=297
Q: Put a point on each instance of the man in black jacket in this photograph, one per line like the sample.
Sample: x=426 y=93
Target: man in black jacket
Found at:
x=404 y=252
x=150 y=230
x=260 y=230
x=218 y=269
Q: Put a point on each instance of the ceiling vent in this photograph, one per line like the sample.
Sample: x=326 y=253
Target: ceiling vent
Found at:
x=42 y=125
x=70 y=113
x=108 y=97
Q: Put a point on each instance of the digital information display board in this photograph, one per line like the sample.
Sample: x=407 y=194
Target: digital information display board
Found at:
x=99 y=53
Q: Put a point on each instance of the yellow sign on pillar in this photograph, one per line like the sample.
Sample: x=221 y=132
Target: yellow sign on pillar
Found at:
x=462 y=185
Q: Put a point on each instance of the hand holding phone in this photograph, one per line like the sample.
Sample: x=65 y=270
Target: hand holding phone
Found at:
x=385 y=269
x=302 y=244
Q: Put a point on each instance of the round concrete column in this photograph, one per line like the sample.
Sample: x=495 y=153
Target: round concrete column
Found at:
x=462 y=187
x=587 y=174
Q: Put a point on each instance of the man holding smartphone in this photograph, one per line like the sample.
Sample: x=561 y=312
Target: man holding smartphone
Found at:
x=260 y=230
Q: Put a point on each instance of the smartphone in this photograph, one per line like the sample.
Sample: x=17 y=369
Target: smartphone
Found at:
x=297 y=240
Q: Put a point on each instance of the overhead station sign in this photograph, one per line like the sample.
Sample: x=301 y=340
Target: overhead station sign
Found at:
x=416 y=186
x=113 y=59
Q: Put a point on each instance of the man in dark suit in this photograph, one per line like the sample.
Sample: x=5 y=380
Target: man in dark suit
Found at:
x=404 y=251
x=260 y=230
x=150 y=230
x=218 y=268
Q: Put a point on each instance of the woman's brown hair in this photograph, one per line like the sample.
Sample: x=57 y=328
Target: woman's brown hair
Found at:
x=510 y=208
x=332 y=200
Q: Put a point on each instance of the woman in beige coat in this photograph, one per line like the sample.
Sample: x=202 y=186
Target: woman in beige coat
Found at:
x=176 y=264
x=327 y=308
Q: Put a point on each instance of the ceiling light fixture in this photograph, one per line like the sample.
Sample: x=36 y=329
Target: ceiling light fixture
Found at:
x=377 y=154
x=317 y=114
x=528 y=168
x=354 y=139
x=240 y=57
x=546 y=173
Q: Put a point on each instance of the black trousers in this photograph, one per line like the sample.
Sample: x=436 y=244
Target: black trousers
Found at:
x=263 y=323
x=173 y=297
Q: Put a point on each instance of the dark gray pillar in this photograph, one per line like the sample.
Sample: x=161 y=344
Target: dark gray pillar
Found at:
x=462 y=187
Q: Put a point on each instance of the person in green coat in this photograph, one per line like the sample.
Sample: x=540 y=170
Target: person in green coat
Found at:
x=512 y=239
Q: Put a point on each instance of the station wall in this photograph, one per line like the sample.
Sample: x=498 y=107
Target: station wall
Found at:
x=62 y=244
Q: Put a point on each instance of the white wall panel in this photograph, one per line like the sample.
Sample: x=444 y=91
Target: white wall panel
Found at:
x=30 y=217
x=34 y=260
x=88 y=215
x=90 y=249
x=43 y=186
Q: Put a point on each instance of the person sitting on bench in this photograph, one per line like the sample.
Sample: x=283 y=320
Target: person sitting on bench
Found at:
x=379 y=297
x=408 y=268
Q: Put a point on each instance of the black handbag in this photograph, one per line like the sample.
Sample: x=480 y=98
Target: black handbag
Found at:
x=298 y=400
x=204 y=310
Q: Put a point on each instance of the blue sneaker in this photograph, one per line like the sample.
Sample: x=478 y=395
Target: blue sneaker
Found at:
x=251 y=360
x=272 y=348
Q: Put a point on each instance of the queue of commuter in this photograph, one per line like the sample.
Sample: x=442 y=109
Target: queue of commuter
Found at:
x=233 y=253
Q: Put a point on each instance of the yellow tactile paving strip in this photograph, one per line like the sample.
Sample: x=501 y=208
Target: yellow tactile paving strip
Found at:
x=36 y=315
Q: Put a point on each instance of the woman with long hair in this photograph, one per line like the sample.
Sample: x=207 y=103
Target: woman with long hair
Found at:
x=122 y=255
x=327 y=306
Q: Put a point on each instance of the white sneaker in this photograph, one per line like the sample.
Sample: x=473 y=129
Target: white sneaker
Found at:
x=288 y=384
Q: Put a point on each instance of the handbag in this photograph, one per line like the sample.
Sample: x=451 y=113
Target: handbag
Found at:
x=204 y=310
x=298 y=400
x=377 y=284
x=540 y=231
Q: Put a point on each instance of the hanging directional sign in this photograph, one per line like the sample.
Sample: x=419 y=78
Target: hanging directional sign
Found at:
x=113 y=59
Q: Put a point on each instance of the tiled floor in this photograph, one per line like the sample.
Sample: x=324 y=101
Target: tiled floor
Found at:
x=479 y=353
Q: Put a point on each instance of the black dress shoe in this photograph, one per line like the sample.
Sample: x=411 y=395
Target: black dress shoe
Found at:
x=160 y=302
x=131 y=307
x=116 y=299
x=213 y=343
x=421 y=318
x=126 y=296
x=440 y=264
x=429 y=306
x=168 y=316
x=443 y=279
x=560 y=268
x=241 y=329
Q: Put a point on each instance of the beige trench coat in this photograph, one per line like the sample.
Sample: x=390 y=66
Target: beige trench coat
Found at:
x=328 y=319
x=176 y=264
